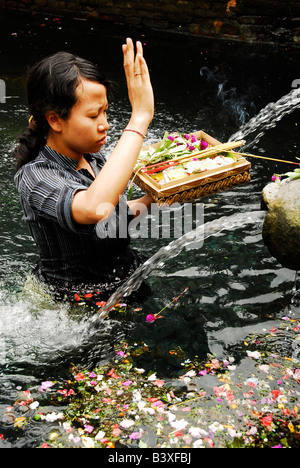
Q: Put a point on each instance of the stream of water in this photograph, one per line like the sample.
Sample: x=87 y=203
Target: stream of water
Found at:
x=268 y=117
x=234 y=284
x=158 y=260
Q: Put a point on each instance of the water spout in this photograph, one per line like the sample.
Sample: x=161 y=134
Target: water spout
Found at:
x=269 y=116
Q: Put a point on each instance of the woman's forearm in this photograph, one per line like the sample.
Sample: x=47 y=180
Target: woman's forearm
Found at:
x=99 y=200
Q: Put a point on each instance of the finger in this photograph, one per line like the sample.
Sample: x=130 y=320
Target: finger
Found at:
x=130 y=50
x=139 y=56
x=139 y=48
x=143 y=66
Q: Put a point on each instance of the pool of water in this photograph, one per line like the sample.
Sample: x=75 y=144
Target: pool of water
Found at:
x=234 y=284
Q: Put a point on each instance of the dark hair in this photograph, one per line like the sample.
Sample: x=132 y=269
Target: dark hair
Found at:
x=51 y=86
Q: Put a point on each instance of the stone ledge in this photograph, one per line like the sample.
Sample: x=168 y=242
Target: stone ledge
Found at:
x=263 y=21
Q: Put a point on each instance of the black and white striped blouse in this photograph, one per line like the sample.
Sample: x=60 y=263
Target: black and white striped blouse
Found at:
x=69 y=251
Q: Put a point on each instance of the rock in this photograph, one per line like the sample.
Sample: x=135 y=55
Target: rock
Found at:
x=281 y=229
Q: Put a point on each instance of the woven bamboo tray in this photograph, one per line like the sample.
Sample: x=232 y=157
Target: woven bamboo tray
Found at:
x=195 y=186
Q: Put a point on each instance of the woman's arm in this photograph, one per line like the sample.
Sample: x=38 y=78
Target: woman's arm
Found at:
x=140 y=206
x=100 y=199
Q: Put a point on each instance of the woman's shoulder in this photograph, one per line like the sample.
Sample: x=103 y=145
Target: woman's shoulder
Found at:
x=40 y=163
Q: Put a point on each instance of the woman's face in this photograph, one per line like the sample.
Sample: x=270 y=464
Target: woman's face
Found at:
x=85 y=129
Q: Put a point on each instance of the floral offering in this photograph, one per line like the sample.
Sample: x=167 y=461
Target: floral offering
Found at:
x=173 y=145
x=220 y=403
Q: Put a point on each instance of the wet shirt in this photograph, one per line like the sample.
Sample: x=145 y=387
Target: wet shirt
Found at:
x=69 y=251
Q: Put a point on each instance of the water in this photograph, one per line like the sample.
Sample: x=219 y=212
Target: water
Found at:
x=188 y=240
x=235 y=286
x=268 y=117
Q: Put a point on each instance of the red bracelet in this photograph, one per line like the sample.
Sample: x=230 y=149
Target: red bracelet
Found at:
x=135 y=131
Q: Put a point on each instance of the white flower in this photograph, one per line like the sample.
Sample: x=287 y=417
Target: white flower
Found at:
x=186 y=379
x=152 y=377
x=190 y=373
x=126 y=423
x=264 y=368
x=232 y=432
x=171 y=417
x=231 y=368
x=254 y=354
x=87 y=442
x=137 y=396
x=214 y=427
x=51 y=417
x=67 y=426
x=149 y=410
x=141 y=404
x=282 y=399
x=252 y=431
x=34 y=405
x=178 y=425
x=196 y=432
x=100 y=435
x=198 y=443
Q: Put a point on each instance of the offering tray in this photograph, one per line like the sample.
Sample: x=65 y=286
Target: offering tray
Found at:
x=189 y=187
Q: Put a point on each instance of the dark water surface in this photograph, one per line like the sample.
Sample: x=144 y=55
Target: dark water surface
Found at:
x=234 y=284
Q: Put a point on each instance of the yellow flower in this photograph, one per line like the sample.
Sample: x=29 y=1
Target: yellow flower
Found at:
x=291 y=427
x=19 y=421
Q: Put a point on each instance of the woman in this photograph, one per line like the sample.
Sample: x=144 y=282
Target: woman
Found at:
x=72 y=198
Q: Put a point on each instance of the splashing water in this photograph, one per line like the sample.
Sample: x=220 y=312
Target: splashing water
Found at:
x=266 y=119
x=269 y=116
x=174 y=248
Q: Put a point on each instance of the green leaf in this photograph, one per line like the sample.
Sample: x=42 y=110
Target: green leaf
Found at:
x=293 y=175
x=130 y=190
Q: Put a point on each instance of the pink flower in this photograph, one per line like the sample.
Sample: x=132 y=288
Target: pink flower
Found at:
x=134 y=435
x=159 y=383
x=158 y=404
x=170 y=137
x=127 y=383
x=88 y=428
x=116 y=430
x=276 y=178
x=150 y=318
x=203 y=145
x=46 y=385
